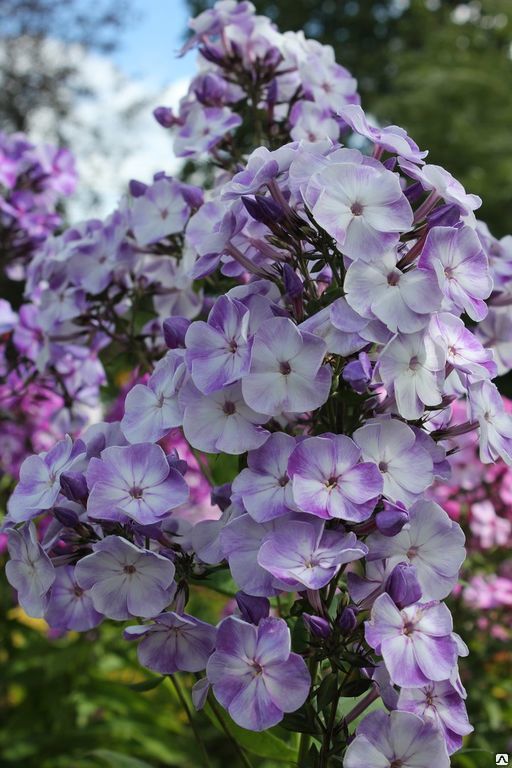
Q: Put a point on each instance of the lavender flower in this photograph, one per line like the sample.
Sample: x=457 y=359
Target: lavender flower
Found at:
x=264 y=486
x=70 y=607
x=29 y=569
x=361 y=206
x=152 y=409
x=253 y=673
x=135 y=481
x=125 y=581
x=328 y=480
x=416 y=643
x=460 y=265
x=218 y=352
x=286 y=371
x=173 y=643
x=393 y=447
x=397 y=740
x=222 y=422
x=39 y=485
x=440 y=704
x=430 y=541
x=303 y=554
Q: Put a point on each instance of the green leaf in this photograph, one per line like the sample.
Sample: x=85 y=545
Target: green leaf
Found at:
x=265 y=744
x=118 y=760
x=356 y=687
x=327 y=690
x=301 y=721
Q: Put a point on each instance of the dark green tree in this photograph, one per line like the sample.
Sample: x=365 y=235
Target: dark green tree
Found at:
x=440 y=69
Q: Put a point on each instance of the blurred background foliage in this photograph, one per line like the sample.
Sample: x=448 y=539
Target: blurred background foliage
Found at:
x=443 y=70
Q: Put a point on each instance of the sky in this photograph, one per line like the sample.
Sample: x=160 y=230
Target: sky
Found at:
x=109 y=148
x=149 y=44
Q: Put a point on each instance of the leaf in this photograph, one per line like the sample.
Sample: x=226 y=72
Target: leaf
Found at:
x=147 y=685
x=327 y=690
x=356 y=687
x=301 y=721
x=264 y=744
x=118 y=760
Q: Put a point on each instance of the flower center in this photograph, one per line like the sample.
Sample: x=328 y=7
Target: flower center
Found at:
x=383 y=466
x=448 y=271
x=414 y=363
x=257 y=669
x=77 y=591
x=136 y=493
x=285 y=368
x=393 y=278
x=229 y=408
x=232 y=346
x=357 y=209
x=408 y=628
x=129 y=569
x=412 y=552
x=331 y=483
x=396 y=764
x=284 y=480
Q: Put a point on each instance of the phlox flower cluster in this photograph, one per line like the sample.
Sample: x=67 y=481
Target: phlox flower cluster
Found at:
x=343 y=309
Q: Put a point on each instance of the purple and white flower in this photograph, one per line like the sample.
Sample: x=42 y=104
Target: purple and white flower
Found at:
x=286 y=373
x=396 y=740
x=218 y=352
x=304 y=555
x=330 y=482
x=175 y=642
x=431 y=542
x=70 y=607
x=222 y=422
x=411 y=366
x=457 y=259
x=39 y=485
x=134 y=481
x=361 y=206
x=152 y=409
x=254 y=674
x=393 y=447
x=264 y=486
x=416 y=642
x=125 y=581
x=440 y=704
x=29 y=570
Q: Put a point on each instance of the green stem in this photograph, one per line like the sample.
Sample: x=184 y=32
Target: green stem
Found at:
x=184 y=704
x=305 y=738
x=241 y=754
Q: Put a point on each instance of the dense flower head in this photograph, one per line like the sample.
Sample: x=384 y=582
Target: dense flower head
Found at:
x=317 y=331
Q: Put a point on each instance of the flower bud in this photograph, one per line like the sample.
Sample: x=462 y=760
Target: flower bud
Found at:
x=221 y=496
x=174 y=329
x=402 y=585
x=175 y=462
x=318 y=626
x=358 y=373
x=392 y=518
x=444 y=216
x=253 y=609
x=414 y=192
x=74 y=486
x=293 y=285
x=137 y=188
x=263 y=209
x=164 y=116
x=66 y=517
x=347 y=621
